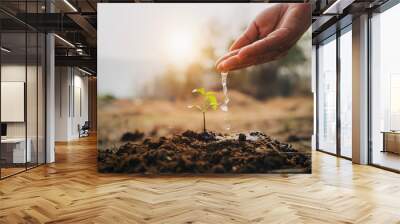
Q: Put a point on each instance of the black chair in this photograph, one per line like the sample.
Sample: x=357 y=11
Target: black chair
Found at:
x=84 y=130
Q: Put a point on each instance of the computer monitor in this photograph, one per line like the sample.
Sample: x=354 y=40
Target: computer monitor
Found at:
x=3 y=129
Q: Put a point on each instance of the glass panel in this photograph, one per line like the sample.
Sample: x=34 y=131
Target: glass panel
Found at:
x=13 y=86
x=23 y=91
x=385 y=84
x=31 y=98
x=327 y=96
x=345 y=94
x=31 y=86
x=41 y=99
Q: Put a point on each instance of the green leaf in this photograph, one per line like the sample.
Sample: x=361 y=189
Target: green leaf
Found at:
x=210 y=93
x=212 y=101
x=195 y=106
x=200 y=91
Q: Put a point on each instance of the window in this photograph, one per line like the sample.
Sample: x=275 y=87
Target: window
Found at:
x=327 y=95
x=346 y=92
x=385 y=89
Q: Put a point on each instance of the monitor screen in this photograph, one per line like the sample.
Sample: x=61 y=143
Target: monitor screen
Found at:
x=3 y=129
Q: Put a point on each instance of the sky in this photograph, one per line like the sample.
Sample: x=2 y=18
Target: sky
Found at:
x=138 y=41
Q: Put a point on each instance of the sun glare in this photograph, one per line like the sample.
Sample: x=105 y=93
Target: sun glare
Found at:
x=180 y=48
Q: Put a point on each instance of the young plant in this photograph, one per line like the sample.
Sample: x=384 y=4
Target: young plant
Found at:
x=209 y=102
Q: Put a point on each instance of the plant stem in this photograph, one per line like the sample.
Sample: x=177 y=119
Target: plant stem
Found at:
x=204 y=122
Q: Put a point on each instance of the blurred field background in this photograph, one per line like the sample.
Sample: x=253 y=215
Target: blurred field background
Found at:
x=274 y=98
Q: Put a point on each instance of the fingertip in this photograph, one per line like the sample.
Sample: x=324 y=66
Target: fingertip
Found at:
x=226 y=57
x=242 y=54
x=219 y=62
x=220 y=67
x=230 y=63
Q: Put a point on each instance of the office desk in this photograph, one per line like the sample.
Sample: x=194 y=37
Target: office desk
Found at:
x=13 y=150
x=391 y=141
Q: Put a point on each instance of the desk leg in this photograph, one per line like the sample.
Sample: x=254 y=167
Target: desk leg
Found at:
x=384 y=143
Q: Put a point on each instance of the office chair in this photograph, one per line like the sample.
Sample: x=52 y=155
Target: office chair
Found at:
x=84 y=130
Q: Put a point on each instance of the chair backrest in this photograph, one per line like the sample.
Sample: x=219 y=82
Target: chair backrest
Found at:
x=86 y=125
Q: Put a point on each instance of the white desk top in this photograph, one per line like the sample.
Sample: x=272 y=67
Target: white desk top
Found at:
x=13 y=140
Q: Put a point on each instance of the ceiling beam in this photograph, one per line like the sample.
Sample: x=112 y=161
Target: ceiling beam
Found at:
x=81 y=61
x=337 y=7
x=86 y=26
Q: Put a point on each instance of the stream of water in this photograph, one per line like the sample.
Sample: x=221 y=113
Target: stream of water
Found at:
x=224 y=106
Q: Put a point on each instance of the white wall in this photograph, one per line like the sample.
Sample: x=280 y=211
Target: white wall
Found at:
x=62 y=81
x=80 y=104
x=70 y=83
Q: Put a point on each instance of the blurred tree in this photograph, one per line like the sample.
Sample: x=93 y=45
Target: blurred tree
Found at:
x=284 y=77
x=105 y=99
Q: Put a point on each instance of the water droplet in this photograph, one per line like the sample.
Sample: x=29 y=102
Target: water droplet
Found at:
x=224 y=108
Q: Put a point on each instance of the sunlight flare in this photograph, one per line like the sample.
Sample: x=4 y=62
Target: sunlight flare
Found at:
x=180 y=47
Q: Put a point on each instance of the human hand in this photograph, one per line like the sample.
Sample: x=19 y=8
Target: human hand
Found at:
x=270 y=36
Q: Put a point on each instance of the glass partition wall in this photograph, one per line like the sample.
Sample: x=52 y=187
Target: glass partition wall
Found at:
x=327 y=95
x=385 y=89
x=345 y=91
x=22 y=77
x=334 y=94
x=13 y=110
x=334 y=106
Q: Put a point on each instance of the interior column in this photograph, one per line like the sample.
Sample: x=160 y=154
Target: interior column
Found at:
x=360 y=90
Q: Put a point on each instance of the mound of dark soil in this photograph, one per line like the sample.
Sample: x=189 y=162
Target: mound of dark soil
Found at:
x=193 y=152
x=129 y=136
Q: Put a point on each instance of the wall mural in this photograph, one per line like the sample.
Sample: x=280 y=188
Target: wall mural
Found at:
x=204 y=88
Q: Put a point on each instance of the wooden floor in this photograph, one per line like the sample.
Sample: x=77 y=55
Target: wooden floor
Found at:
x=71 y=191
x=386 y=159
x=5 y=172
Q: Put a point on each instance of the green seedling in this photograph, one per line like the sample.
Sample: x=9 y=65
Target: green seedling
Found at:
x=209 y=102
